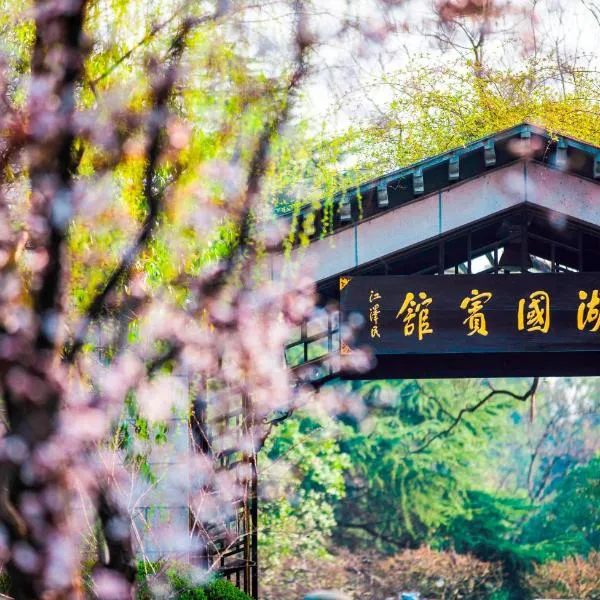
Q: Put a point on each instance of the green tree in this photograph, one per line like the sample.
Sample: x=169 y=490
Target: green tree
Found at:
x=302 y=480
x=417 y=457
x=435 y=109
x=569 y=523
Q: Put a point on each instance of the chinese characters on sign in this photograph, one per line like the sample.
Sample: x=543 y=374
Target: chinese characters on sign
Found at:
x=482 y=325
x=533 y=313
x=588 y=313
x=374 y=313
x=473 y=304
x=416 y=310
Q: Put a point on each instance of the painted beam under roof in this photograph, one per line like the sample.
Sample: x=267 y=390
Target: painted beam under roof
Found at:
x=446 y=210
x=563 y=193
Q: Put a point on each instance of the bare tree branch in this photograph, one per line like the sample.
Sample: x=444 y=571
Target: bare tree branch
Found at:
x=594 y=9
x=530 y=393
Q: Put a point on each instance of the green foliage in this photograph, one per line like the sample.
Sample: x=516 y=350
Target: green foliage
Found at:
x=377 y=485
x=302 y=477
x=569 y=523
x=536 y=455
x=145 y=571
x=184 y=588
x=438 y=108
x=221 y=589
x=489 y=529
x=404 y=489
x=179 y=578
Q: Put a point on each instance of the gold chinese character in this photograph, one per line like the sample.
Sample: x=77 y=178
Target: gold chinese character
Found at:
x=588 y=312
x=416 y=310
x=536 y=316
x=374 y=314
x=374 y=295
x=374 y=318
x=474 y=306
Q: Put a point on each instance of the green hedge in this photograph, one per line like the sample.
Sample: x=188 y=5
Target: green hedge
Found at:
x=185 y=589
x=221 y=589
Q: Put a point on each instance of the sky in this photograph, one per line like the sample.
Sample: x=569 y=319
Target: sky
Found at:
x=381 y=37
x=349 y=70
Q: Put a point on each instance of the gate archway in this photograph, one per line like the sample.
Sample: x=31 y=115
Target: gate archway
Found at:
x=518 y=201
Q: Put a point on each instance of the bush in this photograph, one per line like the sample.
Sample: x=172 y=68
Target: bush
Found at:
x=575 y=577
x=440 y=575
x=147 y=572
x=184 y=587
x=221 y=589
x=372 y=576
x=299 y=575
x=180 y=580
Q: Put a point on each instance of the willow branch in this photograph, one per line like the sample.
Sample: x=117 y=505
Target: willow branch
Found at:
x=154 y=196
x=147 y=38
x=258 y=163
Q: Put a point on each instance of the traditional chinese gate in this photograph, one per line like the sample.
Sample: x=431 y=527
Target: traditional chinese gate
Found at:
x=516 y=216
x=520 y=202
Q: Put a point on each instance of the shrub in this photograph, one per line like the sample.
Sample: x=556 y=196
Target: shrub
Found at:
x=439 y=575
x=575 y=577
x=180 y=580
x=146 y=572
x=299 y=575
x=184 y=587
x=372 y=576
x=221 y=589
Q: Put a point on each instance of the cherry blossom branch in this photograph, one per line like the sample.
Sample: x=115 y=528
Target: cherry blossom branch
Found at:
x=29 y=378
x=51 y=170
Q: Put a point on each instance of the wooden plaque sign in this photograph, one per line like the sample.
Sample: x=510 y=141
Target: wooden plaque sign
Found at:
x=477 y=325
